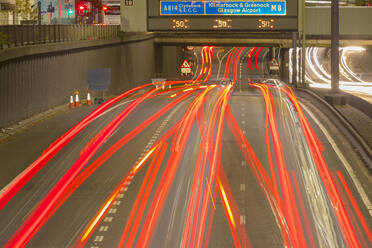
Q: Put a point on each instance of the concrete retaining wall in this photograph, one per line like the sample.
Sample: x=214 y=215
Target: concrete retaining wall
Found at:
x=354 y=21
x=30 y=85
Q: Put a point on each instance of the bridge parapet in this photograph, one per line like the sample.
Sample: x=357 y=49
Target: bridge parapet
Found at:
x=22 y=35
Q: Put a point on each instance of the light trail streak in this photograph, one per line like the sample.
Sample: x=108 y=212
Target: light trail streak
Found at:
x=215 y=158
x=259 y=173
x=227 y=205
x=303 y=211
x=289 y=205
x=178 y=146
x=108 y=153
x=236 y=61
x=250 y=55
x=23 y=178
x=211 y=217
x=202 y=65
x=138 y=208
x=210 y=54
x=257 y=56
x=228 y=62
x=93 y=225
x=210 y=192
x=355 y=206
x=220 y=62
x=282 y=192
x=237 y=229
x=48 y=206
x=107 y=205
x=45 y=207
x=337 y=204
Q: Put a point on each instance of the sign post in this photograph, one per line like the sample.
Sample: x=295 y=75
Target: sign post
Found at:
x=335 y=44
x=274 y=65
x=185 y=68
x=98 y=79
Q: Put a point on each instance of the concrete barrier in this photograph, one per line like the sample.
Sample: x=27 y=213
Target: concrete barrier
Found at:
x=45 y=78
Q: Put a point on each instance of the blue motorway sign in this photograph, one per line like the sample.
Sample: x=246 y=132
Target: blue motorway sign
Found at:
x=223 y=7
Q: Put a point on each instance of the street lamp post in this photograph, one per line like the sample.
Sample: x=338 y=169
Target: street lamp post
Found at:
x=303 y=50
x=335 y=44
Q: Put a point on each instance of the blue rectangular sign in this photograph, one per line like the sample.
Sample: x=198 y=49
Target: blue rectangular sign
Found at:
x=182 y=8
x=223 y=7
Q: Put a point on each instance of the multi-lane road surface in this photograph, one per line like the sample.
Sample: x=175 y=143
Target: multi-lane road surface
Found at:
x=197 y=163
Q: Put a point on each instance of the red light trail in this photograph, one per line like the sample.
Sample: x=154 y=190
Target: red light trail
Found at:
x=204 y=116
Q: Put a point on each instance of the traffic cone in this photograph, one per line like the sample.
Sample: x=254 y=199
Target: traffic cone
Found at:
x=71 y=105
x=77 y=102
x=89 y=99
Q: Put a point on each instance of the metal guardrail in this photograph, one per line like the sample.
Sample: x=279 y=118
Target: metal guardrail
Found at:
x=23 y=35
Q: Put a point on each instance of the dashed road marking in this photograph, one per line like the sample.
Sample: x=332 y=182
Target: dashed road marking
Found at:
x=244 y=163
x=243 y=122
x=113 y=211
x=345 y=162
x=108 y=219
x=242 y=187
x=103 y=228
x=245 y=132
x=242 y=219
x=98 y=238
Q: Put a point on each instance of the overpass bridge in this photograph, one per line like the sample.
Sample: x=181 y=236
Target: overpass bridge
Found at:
x=231 y=154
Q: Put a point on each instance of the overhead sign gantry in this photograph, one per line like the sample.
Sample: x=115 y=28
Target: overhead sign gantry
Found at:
x=248 y=15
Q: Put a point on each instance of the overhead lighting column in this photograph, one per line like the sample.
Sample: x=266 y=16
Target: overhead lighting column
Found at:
x=335 y=44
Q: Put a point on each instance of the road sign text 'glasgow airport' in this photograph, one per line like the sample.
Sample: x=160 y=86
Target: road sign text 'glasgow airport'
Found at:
x=249 y=15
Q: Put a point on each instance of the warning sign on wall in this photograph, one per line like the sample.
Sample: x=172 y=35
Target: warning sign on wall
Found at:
x=185 y=68
x=274 y=65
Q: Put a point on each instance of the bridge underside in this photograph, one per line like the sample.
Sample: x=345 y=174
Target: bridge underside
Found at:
x=282 y=39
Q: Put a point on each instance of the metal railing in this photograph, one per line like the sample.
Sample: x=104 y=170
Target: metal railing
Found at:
x=23 y=35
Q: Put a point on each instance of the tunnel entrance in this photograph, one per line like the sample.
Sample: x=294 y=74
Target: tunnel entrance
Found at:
x=241 y=64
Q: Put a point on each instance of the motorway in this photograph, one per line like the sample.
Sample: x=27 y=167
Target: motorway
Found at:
x=355 y=77
x=222 y=160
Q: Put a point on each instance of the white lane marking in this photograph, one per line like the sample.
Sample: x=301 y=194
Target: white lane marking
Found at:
x=98 y=238
x=243 y=122
x=243 y=109
x=220 y=62
x=107 y=111
x=347 y=166
x=242 y=219
x=112 y=108
x=107 y=219
x=94 y=247
x=113 y=211
x=243 y=114
x=242 y=187
x=103 y=228
x=245 y=132
x=244 y=163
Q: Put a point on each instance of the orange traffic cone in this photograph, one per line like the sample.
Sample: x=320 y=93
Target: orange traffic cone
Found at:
x=71 y=105
x=77 y=102
x=89 y=99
